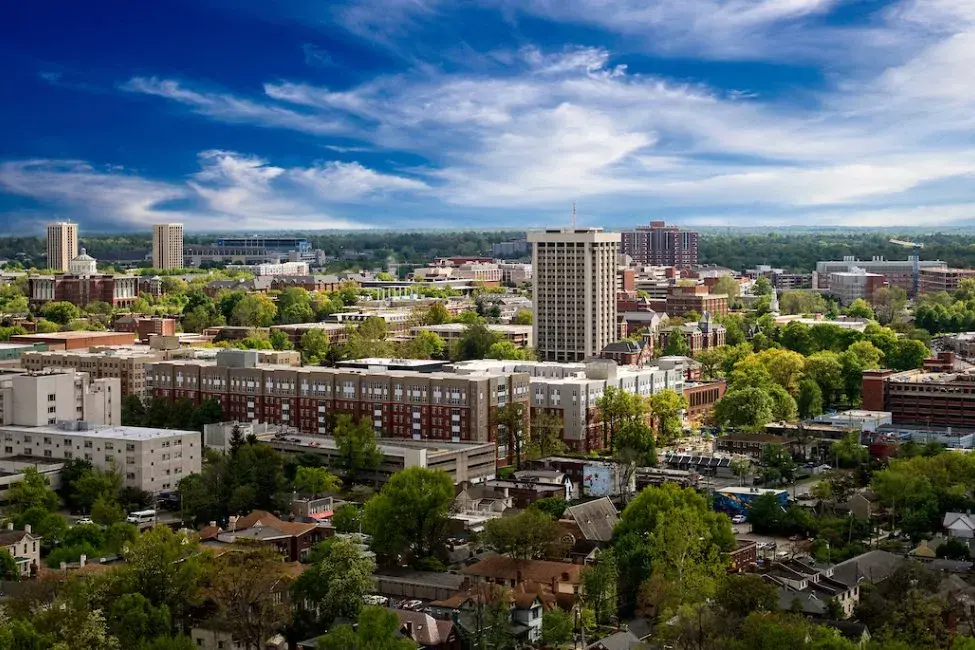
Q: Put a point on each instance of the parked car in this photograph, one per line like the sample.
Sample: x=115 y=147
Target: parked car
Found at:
x=739 y=519
x=83 y=520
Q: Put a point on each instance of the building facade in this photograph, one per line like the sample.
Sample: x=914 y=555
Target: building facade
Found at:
x=167 y=246
x=574 y=281
x=128 y=366
x=898 y=273
x=915 y=396
x=661 y=245
x=847 y=286
x=942 y=279
x=148 y=459
x=62 y=245
x=41 y=398
x=695 y=298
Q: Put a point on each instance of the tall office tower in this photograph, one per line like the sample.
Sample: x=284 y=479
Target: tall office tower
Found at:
x=661 y=245
x=62 y=245
x=167 y=246
x=574 y=279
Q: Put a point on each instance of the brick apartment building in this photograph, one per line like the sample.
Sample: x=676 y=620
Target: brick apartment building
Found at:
x=402 y=404
x=701 y=398
x=915 y=396
x=143 y=328
x=698 y=298
x=74 y=340
x=658 y=244
x=128 y=366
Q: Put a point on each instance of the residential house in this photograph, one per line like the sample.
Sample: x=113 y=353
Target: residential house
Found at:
x=592 y=521
x=865 y=504
x=960 y=524
x=24 y=547
x=624 y=640
x=293 y=540
x=526 y=603
x=811 y=588
x=428 y=632
x=872 y=566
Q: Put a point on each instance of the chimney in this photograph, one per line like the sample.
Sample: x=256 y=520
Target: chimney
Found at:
x=10 y=525
x=213 y=524
x=27 y=528
x=64 y=566
x=82 y=560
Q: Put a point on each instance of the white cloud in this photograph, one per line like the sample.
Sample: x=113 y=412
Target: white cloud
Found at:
x=338 y=181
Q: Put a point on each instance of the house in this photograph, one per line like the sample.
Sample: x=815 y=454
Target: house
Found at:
x=872 y=566
x=959 y=524
x=592 y=521
x=428 y=632
x=809 y=588
x=624 y=640
x=293 y=540
x=208 y=636
x=627 y=352
x=865 y=504
x=744 y=555
x=561 y=578
x=525 y=602
x=24 y=547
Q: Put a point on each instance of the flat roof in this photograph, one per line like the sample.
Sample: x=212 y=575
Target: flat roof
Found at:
x=65 y=336
x=385 y=444
x=107 y=432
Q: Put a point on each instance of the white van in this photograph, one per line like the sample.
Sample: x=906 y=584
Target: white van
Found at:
x=141 y=517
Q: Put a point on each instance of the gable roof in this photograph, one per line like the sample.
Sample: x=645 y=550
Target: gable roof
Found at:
x=424 y=629
x=959 y=521
x=262 y=519
x=596 y=519
x=872 y=566
x=8 y=537
x=506 y=568
x=624 y=640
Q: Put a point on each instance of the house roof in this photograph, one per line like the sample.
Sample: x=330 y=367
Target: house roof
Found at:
x=264 y=519
x=596 y=519
x=8 y=537
x=624 y=346
x=872 y=566
x=624 y=640
x=507 y=568
x=959 y=521
x=424 y=629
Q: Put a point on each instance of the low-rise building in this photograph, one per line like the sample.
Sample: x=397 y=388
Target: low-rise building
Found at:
x=682 y=299
x=699 y=335
x=293 y=540
x=812 y=588
x=702 y=397
x=24 y=547
x=148 y=459
x=74 y=340
x=915 y=396
x=753 y=444
x=847 y=286
x=144 y=328
x=83 y=285
x=518 y=335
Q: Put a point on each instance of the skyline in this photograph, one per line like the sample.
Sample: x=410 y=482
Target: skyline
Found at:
x=421 y=114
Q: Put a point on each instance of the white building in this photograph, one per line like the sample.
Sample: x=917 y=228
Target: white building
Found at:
x=34 y=399
x=62 y=245
x=282 y=268
x=24 y=548
x=848 y=286
x=148 y=459
x=575 y=282
x=167 y=246
x=515 y=273
x=83 y=265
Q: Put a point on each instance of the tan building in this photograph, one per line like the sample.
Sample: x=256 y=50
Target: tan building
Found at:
x=148 y=459
x=128 y=366
x=24 y=547
x=41 y=398
x=167 y=246
x=574 y=282
x=938 y=280
x=400 y=404
x=62 y=245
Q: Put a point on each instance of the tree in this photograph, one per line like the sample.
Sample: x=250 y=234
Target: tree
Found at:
x=740 y=594
x=599 y=587
x=106 y=510
x=435 y=314
x=347 y=518
x=314 y=481
x=826 y=369
x=529 y=535
x=314 y=346
x=677 y=344
x=33 y=491
x=749 y=409
x=522 y=317
x=635 y=443
x=553 y=506
x=134 y=620
x=409 y=516
x=44 y=326
x=279 y=340
x=377 y=629
x=777 y=465
x=246 y=586
x=166 y=568
x=907 y=354
x=665 y=408
x=507 y=350
x=859 y=308
x=728 y=286
x=60 y=312
x=741 y=467
x=94 y=485
x=762 y=286
x=953 y=549
x=557 y=626
x=546 y=435
x=356 y=445
x=337 y=580
x=294 y=306
x=8 y=566
x=425 y=345
x=475 y=342
x=133 y=411
x=810 y=400
x=254 y=310
x=848 y=451
x=510 y=422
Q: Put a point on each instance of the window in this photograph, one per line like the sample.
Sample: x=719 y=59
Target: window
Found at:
x=129 y=447
x=8 y=450
x=87 y=444
x=51 y=397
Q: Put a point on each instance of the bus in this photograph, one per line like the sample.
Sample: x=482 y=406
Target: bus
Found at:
x=140 y=517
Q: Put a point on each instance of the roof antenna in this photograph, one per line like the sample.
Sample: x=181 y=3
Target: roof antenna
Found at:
x=573 y=215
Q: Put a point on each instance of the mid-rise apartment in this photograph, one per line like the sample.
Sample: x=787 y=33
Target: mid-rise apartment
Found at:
x=400 y=404
x=128 y=366
x=575 y=281
x=919 y=397
x=40 y=398
x=148 y=459
x=944 y=279
x=571 y=391
x=658 y=244
x=167 y=246
x=62 y=245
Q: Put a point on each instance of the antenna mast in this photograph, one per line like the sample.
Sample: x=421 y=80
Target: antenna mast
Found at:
x=573 y=215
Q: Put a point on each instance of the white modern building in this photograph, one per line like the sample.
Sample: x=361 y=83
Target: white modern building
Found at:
x=281 y=268
x=62 y=245
x=148 y=459
x=43 y=398
x=575 y=282
x=167 y=246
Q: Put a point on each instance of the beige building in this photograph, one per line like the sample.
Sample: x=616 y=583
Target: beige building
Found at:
x=128 y=366
x=41 y=398
x=574 y=280
x=148 y=459
x=24 y=547
x=167 y=246
x=62 y=245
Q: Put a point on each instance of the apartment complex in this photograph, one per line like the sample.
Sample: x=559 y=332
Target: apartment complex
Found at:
x=148 y=459
x=35 y=399
x=167 y=246
x=128 y=366
x=658 y=244
x=570 y=391
x=919 y=397
x=401 y=404
x=695 y=298
x=943 y=279
x=62 y=245
x=473 y=462
x=898 y=273
x=847 y=286
x=574 y=281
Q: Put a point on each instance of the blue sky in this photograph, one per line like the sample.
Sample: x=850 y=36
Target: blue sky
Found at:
x=314 y=114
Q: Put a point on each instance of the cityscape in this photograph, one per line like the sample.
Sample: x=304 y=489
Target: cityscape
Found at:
x=491 y=325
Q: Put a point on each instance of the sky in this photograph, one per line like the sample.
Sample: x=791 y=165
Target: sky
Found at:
x=413 y=114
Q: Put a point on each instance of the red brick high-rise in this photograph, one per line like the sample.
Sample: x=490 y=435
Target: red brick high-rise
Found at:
x=658 y=244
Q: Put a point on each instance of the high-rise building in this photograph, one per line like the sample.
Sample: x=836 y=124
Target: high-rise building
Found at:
x=660 y=245
x=574 y=280
x=62 y=245
x=167 y=246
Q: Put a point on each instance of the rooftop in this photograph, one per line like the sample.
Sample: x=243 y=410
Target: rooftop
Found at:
x=66 y=336
x=107 y=432
x=388 y=446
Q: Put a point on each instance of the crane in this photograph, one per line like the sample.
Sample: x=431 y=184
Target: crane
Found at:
x=917 y=260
